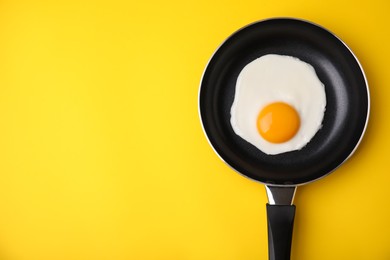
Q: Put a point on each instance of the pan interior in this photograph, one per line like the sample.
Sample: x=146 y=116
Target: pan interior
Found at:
x=346 y=93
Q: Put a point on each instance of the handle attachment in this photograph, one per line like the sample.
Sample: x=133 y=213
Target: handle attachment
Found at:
x=280 y=214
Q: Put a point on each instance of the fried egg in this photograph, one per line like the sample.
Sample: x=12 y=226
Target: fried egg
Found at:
x=279 y=104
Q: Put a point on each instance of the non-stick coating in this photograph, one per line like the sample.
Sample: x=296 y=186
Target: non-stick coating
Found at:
x=346 y=94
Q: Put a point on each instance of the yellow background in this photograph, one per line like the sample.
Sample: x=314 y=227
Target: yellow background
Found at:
x=102 y=155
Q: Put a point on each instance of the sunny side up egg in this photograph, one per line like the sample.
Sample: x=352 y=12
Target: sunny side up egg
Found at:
x=279 y=104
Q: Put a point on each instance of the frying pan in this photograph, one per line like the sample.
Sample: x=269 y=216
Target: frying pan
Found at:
x=343 y=126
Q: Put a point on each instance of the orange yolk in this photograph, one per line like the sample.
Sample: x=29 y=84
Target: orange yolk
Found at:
x=278 y=122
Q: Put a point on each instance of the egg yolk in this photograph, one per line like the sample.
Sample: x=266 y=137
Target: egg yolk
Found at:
x=278 y=122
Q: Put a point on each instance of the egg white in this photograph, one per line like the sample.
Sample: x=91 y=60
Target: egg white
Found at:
x=278 y=78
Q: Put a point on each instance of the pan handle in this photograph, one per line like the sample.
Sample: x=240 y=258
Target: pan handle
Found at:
x=280 y=215
x=280 y=229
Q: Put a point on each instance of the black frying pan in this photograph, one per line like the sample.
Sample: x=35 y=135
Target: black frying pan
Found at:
x=344 y=121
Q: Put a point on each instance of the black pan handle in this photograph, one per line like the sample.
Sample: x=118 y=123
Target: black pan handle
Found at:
x=280 y=229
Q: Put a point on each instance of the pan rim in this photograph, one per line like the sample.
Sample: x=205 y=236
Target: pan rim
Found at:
x=361 y=70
